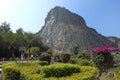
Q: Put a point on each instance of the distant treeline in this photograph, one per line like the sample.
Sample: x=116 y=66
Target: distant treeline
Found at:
x=12 y=44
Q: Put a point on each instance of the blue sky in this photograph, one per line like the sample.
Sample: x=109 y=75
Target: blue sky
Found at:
x=102 y=15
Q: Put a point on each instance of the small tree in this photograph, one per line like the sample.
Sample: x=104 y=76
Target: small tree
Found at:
x=84 y=54
x=45 y=57
x=103 y=58
x=29 y=36
x=75 y=50
x=35 y=51
x=65 y=57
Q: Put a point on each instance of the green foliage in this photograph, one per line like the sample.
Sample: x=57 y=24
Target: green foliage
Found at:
x=45 y=57
x=75 y=50
x=103 y=62
x=57 y=58
x=5 y=27
x=84 y=54
x=84 y=62
x=87 y=73
x=117 y=73
x=81 y=62
x=50 y=50
x=65 y=57
x=34 y=50
x=43 y=63
x=102 y=58
x=10 y=73
x=73 y=60
x=23 y=71
x=19 y=39
x=116 y=57
x=59 y=70
x=32 y=70
x=20 y=31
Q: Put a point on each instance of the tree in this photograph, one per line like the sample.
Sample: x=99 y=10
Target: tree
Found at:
x=20 y=38
x=29 y=37
x=75 y=50
x=37 y=41
x=5 y=27
x=102 y=58
x=8 y=37
x=20 y=31
x=34 y=51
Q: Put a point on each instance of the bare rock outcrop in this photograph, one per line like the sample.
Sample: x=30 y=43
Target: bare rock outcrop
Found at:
x=63 y=30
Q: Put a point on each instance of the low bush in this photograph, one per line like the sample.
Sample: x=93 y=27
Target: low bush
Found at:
x=59 y=70
x=31 y=71
x=84 y=62
x=65 y=57
x=10 y=73
x=43 y=63
x=73 y=60
x=117 y=73
x=81 y=62
x=21 y=70
x=56 y=57
x=45 y=57
x=87 y=73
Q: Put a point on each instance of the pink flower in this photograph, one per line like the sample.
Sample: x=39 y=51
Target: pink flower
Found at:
x=104 y=49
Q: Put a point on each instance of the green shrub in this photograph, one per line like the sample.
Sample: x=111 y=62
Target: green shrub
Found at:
x=84 y=62
x=31 y=71
x=10 y=73
x=117 y=73
x=45 y=57
x=21 y=70
x=87 y=73
x=59 y=70
x=73 y=60
x=56 y=57
x=65 y=57
x=81 y=62
x=43 y=63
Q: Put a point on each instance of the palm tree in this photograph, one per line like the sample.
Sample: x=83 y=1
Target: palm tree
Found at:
x=29 y=37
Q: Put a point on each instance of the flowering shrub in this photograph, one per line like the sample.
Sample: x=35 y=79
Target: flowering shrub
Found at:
x=103 y=58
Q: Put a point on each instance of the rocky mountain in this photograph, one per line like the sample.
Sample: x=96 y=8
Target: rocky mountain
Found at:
x=114 y=39
x=63 y=30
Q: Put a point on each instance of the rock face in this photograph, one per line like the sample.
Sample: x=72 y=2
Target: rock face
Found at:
x=114 y=39
x=64 y=29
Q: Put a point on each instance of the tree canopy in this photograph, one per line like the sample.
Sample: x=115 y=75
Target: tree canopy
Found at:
x=20 y=38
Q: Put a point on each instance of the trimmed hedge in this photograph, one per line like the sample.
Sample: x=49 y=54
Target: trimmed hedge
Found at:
x=87 y=73
x=59 y=70
x=31 y=71
x=11 y=74
x=22 y=70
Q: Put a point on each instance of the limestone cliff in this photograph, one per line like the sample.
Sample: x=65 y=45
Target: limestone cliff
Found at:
x=63 y=30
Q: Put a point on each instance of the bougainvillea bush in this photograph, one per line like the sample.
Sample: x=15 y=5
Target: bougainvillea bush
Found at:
x=103 y=58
